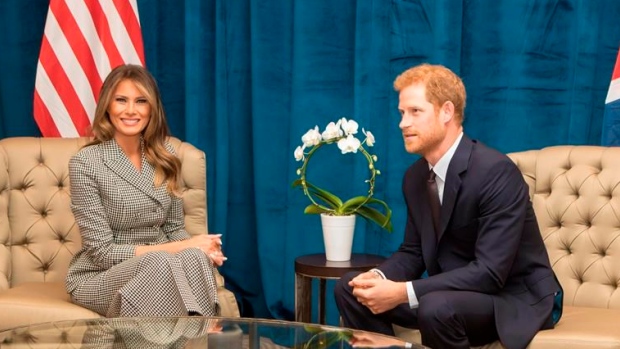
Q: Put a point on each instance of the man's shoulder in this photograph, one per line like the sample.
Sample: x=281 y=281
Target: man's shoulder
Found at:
x=486 y=154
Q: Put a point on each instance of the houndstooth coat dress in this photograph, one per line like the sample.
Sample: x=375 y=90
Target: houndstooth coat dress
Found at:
x=116 y=209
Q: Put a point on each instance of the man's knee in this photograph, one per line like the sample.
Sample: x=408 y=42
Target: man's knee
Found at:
x=342 y=288
x=435 y=309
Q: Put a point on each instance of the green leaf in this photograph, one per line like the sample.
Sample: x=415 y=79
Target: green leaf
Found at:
x=353 y=203
x=382 y=203
x=314 y=209
x=372 y=214
x=324 y=195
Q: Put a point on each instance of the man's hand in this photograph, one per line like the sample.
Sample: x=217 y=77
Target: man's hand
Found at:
x=364 y=276
x=377 y=294
x=361 y=339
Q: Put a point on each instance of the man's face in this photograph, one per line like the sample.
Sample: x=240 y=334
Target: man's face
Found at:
x=420 y=123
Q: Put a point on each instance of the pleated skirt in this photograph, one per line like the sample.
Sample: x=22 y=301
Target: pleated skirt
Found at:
x=154 y=284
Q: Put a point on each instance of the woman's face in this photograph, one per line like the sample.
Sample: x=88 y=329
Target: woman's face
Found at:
x=129 y=110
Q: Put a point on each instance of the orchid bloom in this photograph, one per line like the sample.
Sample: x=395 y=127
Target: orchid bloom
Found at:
x=370 y=138
x=349 y=127
x=332 y=131
x=312 y=137
x=349 y=144
x=299 y=153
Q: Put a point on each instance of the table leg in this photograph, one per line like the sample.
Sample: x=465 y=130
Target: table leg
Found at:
x=253 y=338
x=303 y=298
x=322 y=301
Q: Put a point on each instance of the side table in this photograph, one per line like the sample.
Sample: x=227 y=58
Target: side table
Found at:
x=315 y=266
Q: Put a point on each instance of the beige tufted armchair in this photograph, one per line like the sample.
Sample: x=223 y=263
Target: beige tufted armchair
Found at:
x=38 y=234
x=575 y=191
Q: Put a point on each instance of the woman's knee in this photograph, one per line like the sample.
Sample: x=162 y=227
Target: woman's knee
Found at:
x=193 y=253
x=156 y=258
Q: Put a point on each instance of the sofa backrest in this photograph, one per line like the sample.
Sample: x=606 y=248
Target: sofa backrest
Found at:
x=38 y=234
x=575 y=191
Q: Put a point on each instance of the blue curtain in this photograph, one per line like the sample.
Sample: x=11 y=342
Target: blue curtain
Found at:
x=243 y=80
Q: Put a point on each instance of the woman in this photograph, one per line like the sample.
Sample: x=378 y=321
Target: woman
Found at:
x=136 y=257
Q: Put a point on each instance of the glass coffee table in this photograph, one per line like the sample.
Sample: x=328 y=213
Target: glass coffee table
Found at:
x=192 y=332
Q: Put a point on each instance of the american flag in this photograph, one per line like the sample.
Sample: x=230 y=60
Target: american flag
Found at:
x=611 y=118
x=82 y=42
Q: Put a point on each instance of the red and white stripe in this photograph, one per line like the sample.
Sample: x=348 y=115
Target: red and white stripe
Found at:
x=614 y=87
x=83 y=41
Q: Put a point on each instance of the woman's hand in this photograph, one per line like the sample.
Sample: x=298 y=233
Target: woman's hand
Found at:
x=211 y=245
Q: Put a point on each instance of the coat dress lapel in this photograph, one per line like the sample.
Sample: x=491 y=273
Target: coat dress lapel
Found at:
x=119 y=163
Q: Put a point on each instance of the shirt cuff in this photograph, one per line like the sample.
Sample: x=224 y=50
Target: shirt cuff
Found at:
x=378 y=272
x=413 y=300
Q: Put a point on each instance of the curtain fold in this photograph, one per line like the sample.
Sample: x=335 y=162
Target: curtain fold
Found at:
x=244 y=80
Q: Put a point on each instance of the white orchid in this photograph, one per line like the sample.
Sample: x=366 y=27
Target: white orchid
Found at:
x=332 y=131
x=299 y=153
x=370 y=138
x=349 y=127
x=349 y=144
x=312 y=137
x=342 y=133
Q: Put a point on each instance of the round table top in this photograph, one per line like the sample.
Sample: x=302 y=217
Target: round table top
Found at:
x=191 y=332
x=316 y=265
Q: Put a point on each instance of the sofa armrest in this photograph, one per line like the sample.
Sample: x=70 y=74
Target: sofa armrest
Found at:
x=228 y=302
x=5 y=236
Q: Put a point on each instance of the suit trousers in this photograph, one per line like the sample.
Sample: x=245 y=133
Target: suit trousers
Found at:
x=446 y=319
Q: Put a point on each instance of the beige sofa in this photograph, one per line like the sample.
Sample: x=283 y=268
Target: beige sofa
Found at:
x=38 y=235
x=575 y=191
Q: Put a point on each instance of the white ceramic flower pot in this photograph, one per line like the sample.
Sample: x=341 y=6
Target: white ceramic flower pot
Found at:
x=338 y=236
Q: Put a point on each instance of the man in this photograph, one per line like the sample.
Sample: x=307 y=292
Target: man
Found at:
x=489 y=275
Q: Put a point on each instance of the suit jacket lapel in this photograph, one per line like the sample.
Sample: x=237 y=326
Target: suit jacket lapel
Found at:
x=117 y=161
x=458 y=165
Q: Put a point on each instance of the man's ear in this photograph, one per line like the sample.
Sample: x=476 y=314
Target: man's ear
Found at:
x=447 y=111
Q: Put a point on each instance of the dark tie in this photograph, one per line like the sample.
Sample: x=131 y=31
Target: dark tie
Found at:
x=433 y=195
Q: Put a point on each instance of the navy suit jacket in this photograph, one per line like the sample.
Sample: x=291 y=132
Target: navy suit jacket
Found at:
x=489 y=241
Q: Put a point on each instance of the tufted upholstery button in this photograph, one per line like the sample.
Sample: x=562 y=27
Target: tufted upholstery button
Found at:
x=43 y=213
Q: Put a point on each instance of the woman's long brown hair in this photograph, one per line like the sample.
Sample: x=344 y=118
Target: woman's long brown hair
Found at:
x=167 y=166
